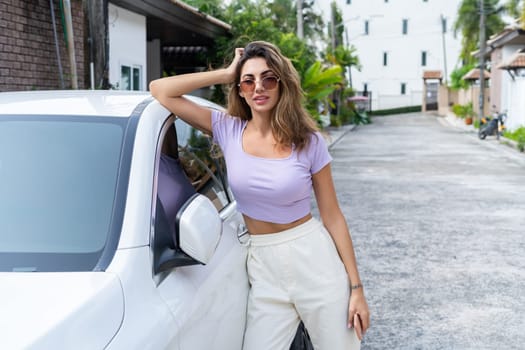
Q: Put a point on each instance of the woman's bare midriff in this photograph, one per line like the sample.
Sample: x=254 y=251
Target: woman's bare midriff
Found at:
x=257 y=227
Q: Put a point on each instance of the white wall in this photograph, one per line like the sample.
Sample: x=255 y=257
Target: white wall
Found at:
x=404 y=51
x=127 y=44
x=516 y=114
x=512 y=92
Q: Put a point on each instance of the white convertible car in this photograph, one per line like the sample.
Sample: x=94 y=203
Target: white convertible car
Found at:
x=117 y=227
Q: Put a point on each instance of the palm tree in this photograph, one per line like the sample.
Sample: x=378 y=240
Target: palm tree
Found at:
x=346 y=57
x=467 y=23
x=319 y=82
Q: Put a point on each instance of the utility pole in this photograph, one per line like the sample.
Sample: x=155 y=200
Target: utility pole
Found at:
x=300 y=24
x=443 y=33
x=482 y=45
x=336 y=95
x=332 y=26
x=350 y=66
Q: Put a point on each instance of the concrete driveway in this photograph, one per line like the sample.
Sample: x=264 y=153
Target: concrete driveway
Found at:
x=438 y=220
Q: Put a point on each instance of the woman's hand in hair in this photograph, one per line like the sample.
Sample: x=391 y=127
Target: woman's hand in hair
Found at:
x=232 y=68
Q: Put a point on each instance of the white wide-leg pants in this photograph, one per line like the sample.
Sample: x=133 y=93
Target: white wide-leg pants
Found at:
x=297 y=275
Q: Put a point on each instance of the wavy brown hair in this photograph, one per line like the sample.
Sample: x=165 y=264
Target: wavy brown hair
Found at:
x=290 y=122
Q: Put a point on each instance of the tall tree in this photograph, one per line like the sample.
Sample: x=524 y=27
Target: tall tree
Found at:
x=512 y=7
x=272 y=21
x=516 y=9
x=467 y=23
x=211 y=7
x=283 y=13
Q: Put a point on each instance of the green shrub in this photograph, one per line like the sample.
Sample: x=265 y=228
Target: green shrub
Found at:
x=400 y=110
x=521 y=143
x=463 y=111
x=517 y=135
x=458 y=110
x=346 y=114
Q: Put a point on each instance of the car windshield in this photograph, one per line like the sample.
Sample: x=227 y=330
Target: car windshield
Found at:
x=58 y=180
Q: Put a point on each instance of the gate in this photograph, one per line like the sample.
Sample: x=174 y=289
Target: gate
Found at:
x=431 y=81
x=431 y=97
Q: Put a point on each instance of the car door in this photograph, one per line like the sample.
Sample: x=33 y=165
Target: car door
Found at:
x=208 y=301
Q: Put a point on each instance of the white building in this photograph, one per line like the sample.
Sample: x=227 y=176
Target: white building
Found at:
x=396 y=41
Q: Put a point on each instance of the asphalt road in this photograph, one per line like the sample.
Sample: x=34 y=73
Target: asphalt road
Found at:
x=438 y=222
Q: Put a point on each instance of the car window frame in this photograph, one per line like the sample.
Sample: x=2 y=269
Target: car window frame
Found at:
x=220 y=178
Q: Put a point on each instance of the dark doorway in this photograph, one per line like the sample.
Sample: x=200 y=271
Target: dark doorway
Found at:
x=431 y=97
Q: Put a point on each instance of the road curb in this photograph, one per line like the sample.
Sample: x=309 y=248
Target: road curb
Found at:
x=334 y=134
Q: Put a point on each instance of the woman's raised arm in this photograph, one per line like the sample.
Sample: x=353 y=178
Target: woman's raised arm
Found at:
x=169 y=92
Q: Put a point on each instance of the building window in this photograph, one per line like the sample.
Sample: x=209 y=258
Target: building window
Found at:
x=130 y=78
x=423 y=58
x=367 y=24
x=405 y=26
x=385 y=58
x=403 y=88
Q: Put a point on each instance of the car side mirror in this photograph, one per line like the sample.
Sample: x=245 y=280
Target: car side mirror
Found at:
x=198 y=229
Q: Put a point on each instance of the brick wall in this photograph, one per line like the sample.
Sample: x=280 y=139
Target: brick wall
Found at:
x=28 y=59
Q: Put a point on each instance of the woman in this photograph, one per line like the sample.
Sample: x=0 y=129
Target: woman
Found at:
x=299 y=268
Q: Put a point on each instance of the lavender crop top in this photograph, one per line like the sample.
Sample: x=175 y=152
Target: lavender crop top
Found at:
x=273 y=190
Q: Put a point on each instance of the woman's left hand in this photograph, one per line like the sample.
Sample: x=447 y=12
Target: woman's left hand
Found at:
x=358 y=313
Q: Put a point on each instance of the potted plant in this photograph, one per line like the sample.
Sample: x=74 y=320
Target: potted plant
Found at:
x=469 y=113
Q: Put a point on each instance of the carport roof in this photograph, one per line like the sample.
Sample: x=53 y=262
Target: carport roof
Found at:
x=176 y=23
x=515 y=61
x=509 y=36
x=513 y=34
